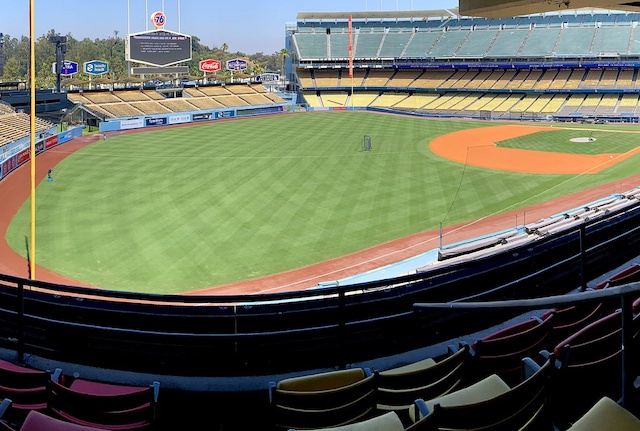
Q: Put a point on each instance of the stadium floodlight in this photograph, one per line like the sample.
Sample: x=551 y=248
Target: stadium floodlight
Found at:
x=507 y=8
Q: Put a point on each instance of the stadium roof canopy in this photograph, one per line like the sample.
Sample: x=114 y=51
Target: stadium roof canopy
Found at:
x=508 y=8
x=414 y=14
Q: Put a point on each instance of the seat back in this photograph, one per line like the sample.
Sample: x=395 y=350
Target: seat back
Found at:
x=570 y=320
x=127 y=409
x=521 y=408
x=399 y=388
x=297 y=404
x=590 y=364
x=36 y=421
x=25 y=387
x=501 y=353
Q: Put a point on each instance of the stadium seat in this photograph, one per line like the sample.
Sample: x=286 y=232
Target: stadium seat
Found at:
x=491 y=405
x=501 y=352
x=36 y=421
x=606 y=414
x=386 y=422
x=25 y=387
x=399 y=387
x=104 y=406
x=323 y=400
x=590 y=364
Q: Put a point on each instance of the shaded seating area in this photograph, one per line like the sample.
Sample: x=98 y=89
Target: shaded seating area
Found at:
x=322 y=400
x=608 y=415
x=399 y=387
x=104 y=406
x=491 y=404
x=39 y=400
x=500 y=353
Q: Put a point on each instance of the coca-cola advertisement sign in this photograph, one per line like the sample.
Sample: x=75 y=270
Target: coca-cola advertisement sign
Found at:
x=210 y=65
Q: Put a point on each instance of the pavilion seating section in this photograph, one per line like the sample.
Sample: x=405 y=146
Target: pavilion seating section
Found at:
x=17 y=125
x=132 y=103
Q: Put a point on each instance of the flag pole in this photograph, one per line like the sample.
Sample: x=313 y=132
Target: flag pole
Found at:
x=32 y=134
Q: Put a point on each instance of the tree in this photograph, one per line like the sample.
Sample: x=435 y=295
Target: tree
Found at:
x=284 y=52
x=224 y=47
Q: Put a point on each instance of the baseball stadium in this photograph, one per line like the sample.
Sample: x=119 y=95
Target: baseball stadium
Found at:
x=430 y=221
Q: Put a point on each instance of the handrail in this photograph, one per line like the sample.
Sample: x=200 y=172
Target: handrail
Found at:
x=626 y=293
x=536 y=303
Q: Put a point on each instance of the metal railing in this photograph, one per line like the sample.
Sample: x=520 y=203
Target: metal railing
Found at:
x=627 y=294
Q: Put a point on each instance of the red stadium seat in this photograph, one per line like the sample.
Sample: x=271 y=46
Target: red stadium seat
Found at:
x=104 y=406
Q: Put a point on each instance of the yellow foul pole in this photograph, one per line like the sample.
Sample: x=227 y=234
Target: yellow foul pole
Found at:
x=32 y=115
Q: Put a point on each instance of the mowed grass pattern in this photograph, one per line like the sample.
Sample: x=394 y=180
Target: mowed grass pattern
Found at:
x=174 y=210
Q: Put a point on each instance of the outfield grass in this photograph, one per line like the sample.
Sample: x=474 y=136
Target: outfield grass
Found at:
x=174 y=210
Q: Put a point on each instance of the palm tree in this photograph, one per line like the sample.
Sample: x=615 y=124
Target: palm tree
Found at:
x=284 y=52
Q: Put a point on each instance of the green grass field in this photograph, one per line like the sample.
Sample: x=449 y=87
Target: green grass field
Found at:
x=169 y=211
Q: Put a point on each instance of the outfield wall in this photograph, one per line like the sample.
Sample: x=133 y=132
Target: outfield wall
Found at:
x=149 y=121
x=19 y=152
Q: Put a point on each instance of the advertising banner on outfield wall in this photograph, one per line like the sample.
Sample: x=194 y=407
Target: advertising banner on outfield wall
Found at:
x=180 y=119
x=9 y=165
x=225 y=114
x=201 y=117
x=23 y=156
x=155 y=121
x=136 y=123
x=50 y=142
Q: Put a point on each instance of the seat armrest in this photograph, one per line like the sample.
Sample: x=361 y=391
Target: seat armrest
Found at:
x=272 y=388
x=156 y=390
x=4 y=406
x=57 y=374
x=529 y=368
x=421 y=409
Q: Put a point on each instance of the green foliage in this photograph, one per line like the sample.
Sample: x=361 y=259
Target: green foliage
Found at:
x=111 y=50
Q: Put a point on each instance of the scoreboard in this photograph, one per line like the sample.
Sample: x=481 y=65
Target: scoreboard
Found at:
x=159 y=48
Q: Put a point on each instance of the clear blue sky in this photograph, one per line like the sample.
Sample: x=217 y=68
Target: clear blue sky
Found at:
x=248 y=26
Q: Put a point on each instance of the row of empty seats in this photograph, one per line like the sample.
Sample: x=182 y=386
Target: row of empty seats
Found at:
x=475 y=79
x=62 y=401
x=131 y=103
x=498 y=104
x=542 y=372
x=586 y=39
x=569 y=19
x=17 y=125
